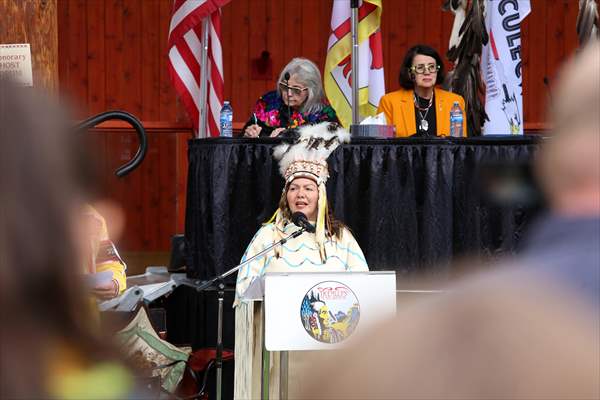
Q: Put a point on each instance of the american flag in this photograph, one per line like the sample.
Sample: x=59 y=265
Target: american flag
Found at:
x=185 y=49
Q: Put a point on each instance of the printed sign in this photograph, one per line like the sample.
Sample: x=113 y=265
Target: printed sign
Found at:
x=15 y=61
x=330 y=312
x=501 y=65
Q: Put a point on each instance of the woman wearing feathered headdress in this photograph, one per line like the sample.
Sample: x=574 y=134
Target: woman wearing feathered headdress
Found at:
x=331 y=248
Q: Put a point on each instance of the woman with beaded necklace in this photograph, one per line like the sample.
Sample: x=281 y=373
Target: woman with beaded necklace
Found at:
x=419 y=108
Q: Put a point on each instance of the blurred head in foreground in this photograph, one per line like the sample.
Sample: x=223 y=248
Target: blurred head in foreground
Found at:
x=569 y=163
x=528 y=330
x=512 y=339
x=45 y=314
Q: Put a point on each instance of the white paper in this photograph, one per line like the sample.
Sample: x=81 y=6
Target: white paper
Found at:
x=156 y=290
x=15 y=61
x=98 y=279
x=256 y=289
x=378 y=119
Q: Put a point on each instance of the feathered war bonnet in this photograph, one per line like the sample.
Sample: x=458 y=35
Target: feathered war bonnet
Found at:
x=307 y=157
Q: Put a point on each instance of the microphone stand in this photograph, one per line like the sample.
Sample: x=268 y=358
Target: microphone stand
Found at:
x=218 y=280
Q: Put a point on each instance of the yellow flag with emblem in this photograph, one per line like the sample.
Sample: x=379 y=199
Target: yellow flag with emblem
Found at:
x=338 y=65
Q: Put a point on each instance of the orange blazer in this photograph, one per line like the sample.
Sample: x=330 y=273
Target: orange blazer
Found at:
x=399 y=110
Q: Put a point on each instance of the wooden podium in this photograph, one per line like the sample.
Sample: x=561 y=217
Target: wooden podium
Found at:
x=304 y=313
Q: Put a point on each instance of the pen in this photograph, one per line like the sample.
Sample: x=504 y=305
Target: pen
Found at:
x=255 y=120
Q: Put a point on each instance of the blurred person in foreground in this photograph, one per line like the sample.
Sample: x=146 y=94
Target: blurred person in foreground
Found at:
x=50 y=346
x=103 y=252
x=302 y=95
x=530 y=329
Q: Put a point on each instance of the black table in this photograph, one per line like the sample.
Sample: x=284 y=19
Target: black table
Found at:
x=412 y=204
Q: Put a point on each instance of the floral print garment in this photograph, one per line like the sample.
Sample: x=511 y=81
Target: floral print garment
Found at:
x=269 y=107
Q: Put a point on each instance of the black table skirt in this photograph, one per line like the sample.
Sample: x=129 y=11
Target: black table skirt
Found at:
x=412 y=204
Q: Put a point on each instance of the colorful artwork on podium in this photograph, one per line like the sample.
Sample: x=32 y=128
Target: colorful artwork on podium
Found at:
x=330 y=312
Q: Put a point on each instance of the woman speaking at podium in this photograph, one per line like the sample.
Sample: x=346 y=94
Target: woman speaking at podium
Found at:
x=331 y=248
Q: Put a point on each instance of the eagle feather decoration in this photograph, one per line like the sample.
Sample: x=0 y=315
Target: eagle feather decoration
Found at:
x=588 y=25
x=468 y=37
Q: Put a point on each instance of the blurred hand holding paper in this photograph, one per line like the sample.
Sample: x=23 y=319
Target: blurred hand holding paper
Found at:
x=98 y=279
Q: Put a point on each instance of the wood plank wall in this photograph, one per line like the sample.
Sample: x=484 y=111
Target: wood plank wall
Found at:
x=112 y=55
x=153 y=196
x=113 y=52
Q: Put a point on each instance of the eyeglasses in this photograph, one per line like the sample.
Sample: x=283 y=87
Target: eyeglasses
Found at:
x=295 y=90
x=421 y=68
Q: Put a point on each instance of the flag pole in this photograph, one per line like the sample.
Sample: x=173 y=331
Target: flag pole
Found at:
x=354 y=75
x=203 y=80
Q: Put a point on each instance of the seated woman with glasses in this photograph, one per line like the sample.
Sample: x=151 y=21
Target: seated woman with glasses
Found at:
x=419 y=107
x=301 y=95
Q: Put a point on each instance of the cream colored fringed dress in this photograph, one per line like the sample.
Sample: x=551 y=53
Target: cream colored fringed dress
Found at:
x=300 y=254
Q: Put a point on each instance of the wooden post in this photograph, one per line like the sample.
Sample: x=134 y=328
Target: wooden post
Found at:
x=34 y=22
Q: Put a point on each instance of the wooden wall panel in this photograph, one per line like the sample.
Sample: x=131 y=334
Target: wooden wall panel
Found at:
x=555 y=27
x=274 y=44
x=432 y=32
x=152 y=197
x=121 y=146
x=291 y=30
x=239 y=56
x=168 y=102
x=256 y=43
x=181 y=174
x=114 y=59
x=130 y=45
x=113 y=54
x=570 y=34
x=152 y=187
x=309 y=28
x=150 y=52
x=96 y=57
x=77 y=46
x=394 y=21
x=534 y=89
x=414 y=23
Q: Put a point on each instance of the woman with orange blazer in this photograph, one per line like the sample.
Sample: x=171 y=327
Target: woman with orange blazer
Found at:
x=419 y=107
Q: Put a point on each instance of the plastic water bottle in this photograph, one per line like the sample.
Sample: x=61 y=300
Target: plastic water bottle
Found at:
x=456 y=120
x=226 y=120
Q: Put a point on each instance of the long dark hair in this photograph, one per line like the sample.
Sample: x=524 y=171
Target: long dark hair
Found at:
x=405 y=76
x=44 y=306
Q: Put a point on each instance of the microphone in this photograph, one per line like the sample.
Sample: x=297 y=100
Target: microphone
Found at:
x=286 y=78
x=299 y=219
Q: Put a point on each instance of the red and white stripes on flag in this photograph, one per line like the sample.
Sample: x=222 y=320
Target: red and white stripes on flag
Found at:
x=185 y=49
